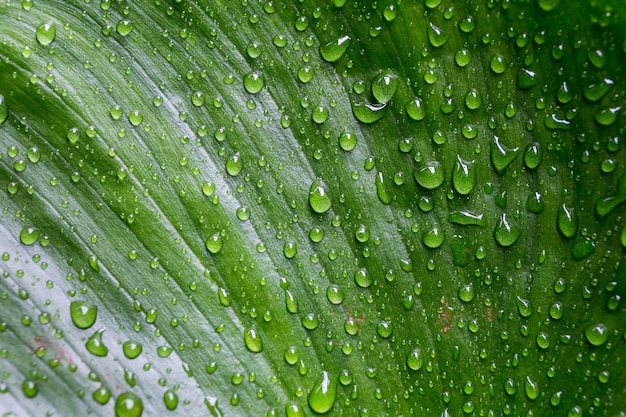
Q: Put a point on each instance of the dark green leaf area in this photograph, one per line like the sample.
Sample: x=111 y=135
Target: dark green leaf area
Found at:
x=304 y=208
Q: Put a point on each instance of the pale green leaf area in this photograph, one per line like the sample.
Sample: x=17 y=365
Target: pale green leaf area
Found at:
x=294 y=208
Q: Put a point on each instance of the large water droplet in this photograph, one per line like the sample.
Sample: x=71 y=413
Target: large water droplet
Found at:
x=526 y=79
x=433 y=238
x=253 y=340
x=506 y=233
x=322 y=396
x=214 y=243
x=415 y=359
x=597 y=334
x=567 y=221
x=334 y=50
x=533 y=154
x=501 y=155
x=368 y=113
x=608 y=116
x=415 y=109
x=524 y=308
x=234 y=165
x=464 y=176
x=128 y=405
x=531 y=388
x=430 y=175
x=29 y=235
x=4 y=109
x=82 y=314
x=548 y=5
x=132 y=349
x=95 y=346
x=46 y=33
x=436 y=36
x=253 y=82
x=594 y=92
x=384 y=87
x=318 y=197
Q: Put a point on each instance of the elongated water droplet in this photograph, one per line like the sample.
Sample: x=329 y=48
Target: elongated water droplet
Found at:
x=595 y=92
x=128 y=405
x=214 y=243
x=567 y=221
x=548 y=5
x=535 y=203
x=466 y=217
x=253 y=340
x=531 y=388
x=381 y=189
x=506 y=233
x=82 y=314
x=524 y=307
x=95 y=346
x=582 y=248
x=318 y=197
x=322 y=396
x=436 y=36
x=501 y=155
x=368 y=113
x=533 y=154
x=46 y=33
x=334 y=50
x=430 y=175
x=526 y=79
x=464 y=176
x=608 y=116
x=170 y=399
x=606 y=205
x=290 y=302
x=384 y=87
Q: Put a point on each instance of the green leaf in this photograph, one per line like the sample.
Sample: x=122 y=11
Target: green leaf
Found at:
x=323 y=207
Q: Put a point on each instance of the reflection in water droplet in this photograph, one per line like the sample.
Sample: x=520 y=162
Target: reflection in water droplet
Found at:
x=253 y=340
x=46 y=33
x=128 y=405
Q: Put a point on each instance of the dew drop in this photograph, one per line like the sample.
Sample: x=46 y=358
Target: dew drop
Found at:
x=294 y=410
x=347 y=141
x=582 y=248
x=381 y=189
x=384 y=87
x=531 y=388
x=430 y=175
x=567 y=221
x=214 y=243
x=291 y=304
x=83 y=315
x=132 y=349
x=170 y=399
x=95 y=346
x=526 y=79
x=415 y=109
x=102 y=395
x=290 y=249
x=415 y=359
x=436 y=36
x=506 y=233
x=597 y=334
x=368 y=113
x=608 y=116
x=253 y=340
x=128 y=405
x=548 y=5
x=524 y=308
x=473 y=99
x=335 y=294
x=29 y=388
x=464 y=176
x=362 y=278
x=234 y=165
x=334 y=50
x=253 y=82
x=466 y=293
x=124 y=27
x=384 y=329
x=433 y=238
x=533 y=154
x=596 y=91
x=29 y=235
x=501 y=155
x=4 y=110
x=322 y=396
x=45 y=33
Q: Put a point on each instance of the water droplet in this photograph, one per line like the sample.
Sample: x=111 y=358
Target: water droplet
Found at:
x=4 y=110
x=543 y=340
x=548 y=5
x=94 y=344
x=433 y=238
x=170 y=399
x=473 y=99
x=124 y=27
x=526 y=79
x=290 y=249
x=335 y=294
x=253 y=340
x=582 y=248
x=465 y=218
x=214 y=243
x=46 y=33
x=234 y=165
x=436 y=36
x=291 y=304
x=82 y=314
x=334 y=50
x=596 y=91
x=531 y=388
x=319 y=114
x=322 y=396
x=506 y=233
x=533 y=154
x=362 y=233
x=567 y=221
x=368 y=113
x=535 y=203
x=415 y=359
x=608 y=116
x=415 y=109
x=430 y=175
x=524 y=308
x=597 y=57
x=466 y=293
x=464 y=176
x=384 y=87
x=102 y=395
x=384 y=329
x=501 y=155
x=128 y=405
x=362 y=278
x=381 y=190
x=132 y=349
x=347 y=141
x=597 y=334
x=253 y=82
x=390 y=12
x=294 y=410
x=29 y=388
x=29 y=235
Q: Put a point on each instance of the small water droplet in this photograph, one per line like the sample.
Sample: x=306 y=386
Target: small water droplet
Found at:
x=415 y=109
x=415 y=359
x=334 y=50
x=524 y=308
x=466 y=293
x=531 y=388
x=132 y=349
